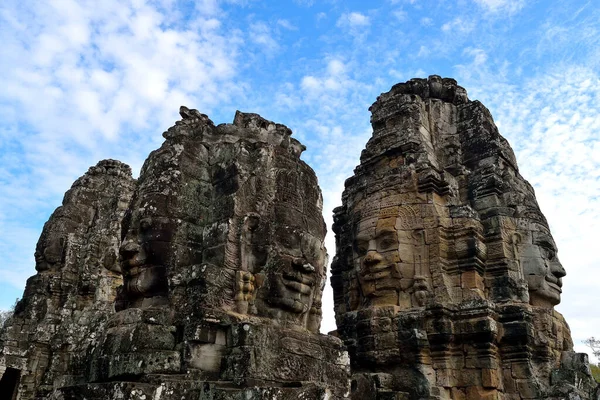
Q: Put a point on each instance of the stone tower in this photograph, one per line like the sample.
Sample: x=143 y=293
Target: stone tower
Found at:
x=223 y=267
x=70 y=298
x=446 y=274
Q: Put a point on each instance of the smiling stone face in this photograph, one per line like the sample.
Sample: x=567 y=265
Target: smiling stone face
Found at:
x=376 y=255
x=390 y=255
x=146 y=253
x=291 y=281
x=541 y=268
x=296 y=273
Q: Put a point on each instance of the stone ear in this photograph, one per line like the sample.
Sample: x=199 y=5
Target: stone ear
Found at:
x=420 y=236
x=516 y=238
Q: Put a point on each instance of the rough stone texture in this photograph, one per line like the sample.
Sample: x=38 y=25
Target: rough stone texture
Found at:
x=203 y=279
x=223 y=266
x=67 y=302
x=446 y=275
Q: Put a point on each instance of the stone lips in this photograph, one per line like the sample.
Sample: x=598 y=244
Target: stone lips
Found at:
x=445 y=266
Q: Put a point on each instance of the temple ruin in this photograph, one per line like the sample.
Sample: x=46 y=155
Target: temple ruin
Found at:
x=445 y=274
x=203 y=278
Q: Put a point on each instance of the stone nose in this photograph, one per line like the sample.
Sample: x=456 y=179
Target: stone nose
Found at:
x=372 y=257
x=557 y=269
x=129 y=249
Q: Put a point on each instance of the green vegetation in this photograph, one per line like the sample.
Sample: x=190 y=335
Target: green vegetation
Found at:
x=595 y=372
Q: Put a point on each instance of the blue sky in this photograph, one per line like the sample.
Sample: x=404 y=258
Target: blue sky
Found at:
x=87 y=80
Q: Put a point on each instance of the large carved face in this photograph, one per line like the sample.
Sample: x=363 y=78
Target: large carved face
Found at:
x=52 y=245
x=376 y=255
x=541 y=267
x=146 y=251
x=294 y=276
x=49 y=252
x=390 y=258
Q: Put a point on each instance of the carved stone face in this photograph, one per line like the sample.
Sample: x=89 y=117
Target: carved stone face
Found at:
x=49 y=252
x=52 y=245
x=295 y=273
x=146 y=251
x=542 y=269
x=389 y=254
x=376 y=253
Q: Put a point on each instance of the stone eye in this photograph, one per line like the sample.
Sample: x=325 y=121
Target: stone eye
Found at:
x=387 y=243
x=360 y=248
x=549 y=253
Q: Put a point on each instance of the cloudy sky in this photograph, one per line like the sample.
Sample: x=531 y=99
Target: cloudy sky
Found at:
x=85 y=80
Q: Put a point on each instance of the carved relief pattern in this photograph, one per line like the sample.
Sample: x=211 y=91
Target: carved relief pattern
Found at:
x=440 y=237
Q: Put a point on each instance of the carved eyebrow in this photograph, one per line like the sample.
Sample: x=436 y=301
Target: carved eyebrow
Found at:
x=361 y=238
x=545 y=241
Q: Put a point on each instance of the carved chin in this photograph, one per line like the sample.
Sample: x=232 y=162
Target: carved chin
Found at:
x=147 y=281
x=544 y=291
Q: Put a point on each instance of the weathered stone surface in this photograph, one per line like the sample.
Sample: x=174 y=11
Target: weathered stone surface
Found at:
x=68 y=301
x=223 y=266
x=446 y=274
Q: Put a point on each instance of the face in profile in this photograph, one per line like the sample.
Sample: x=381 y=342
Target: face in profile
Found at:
x=49 y=252
x=542 y=269
x=52 y=245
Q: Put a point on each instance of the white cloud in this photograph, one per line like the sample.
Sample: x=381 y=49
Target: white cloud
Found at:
x=355 y=22
x=332 y=83
x=284 y=23
x=501 y=6
x=423 y=51
x=305 y=3
x=458 y=25
x=426 y=21
x=79 y=76
x=401 y=15
x=262 y=35
x=479 y=56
